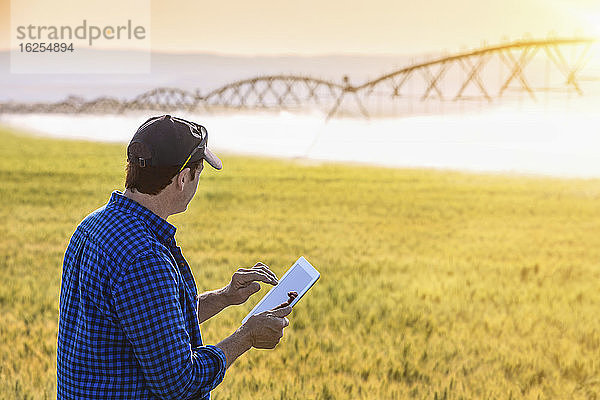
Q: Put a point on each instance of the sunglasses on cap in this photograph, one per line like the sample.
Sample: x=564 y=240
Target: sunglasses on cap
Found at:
x=199 y=132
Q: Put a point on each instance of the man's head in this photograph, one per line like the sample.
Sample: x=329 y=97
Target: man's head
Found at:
x=165 y=156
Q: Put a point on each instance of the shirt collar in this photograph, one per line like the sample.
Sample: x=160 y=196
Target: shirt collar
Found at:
x=164 y=231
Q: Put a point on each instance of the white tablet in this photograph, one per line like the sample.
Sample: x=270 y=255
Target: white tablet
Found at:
x=299 y=278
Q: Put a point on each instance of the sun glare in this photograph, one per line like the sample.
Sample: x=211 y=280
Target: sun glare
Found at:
x=593 y=20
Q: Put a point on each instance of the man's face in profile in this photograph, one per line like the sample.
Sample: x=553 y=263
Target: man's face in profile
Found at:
x=189 y=190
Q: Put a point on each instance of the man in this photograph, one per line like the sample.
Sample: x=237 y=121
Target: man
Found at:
x=129 y=307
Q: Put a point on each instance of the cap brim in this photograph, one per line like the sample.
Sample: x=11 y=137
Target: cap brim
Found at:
x=213 y=160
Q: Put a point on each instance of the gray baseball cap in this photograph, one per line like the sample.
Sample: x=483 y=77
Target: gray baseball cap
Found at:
x=172 y=141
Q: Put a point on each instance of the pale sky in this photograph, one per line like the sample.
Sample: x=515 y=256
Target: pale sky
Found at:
x=341 y=27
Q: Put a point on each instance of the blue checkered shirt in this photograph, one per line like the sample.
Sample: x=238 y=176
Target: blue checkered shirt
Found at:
x=128 y=325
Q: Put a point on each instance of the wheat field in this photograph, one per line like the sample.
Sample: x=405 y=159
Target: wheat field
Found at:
x=434 y=284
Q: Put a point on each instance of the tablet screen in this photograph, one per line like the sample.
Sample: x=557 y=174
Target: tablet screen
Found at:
x=297 y=279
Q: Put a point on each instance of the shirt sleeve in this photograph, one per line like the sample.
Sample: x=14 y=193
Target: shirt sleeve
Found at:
x=146 y=301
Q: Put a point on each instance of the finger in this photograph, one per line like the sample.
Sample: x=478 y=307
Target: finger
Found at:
x=263 y=273
x=254 y=275
x=267 y=344
x=265 y=269
x=291 y=297
x=277 y=325
x=282 y=305
x=281 y=312
x=256 y=268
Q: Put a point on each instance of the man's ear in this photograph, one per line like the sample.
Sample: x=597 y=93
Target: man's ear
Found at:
x=182 y=178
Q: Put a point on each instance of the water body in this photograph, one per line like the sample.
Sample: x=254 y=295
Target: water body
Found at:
x=557 y=139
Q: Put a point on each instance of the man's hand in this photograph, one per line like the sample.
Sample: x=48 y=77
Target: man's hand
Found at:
x=262 y=331
x=244 y=283
x=266 y=328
